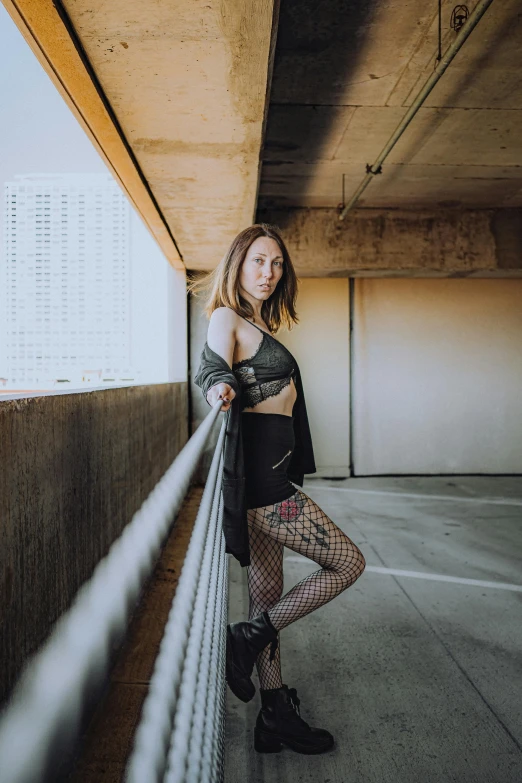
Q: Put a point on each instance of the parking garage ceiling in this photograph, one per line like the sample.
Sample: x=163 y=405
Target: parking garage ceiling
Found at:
x=240 y=110
x=345 y=73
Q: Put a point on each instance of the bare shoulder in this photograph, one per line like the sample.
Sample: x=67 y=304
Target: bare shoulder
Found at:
x=223 y=320
x=221 y=335
x=224 y=316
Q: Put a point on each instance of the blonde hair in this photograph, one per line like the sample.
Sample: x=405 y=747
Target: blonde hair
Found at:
x=221 y=286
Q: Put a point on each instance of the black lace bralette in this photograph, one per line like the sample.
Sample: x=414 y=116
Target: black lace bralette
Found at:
x=266 y=373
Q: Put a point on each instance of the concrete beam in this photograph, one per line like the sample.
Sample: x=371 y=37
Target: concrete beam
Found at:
x=398 y=243
x=189 y=84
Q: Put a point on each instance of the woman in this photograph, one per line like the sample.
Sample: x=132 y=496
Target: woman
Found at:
x=252 y=292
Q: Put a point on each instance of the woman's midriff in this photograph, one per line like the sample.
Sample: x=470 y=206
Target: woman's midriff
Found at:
x=282 y=403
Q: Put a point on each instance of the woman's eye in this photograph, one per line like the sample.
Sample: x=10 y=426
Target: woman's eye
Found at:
x=279 y=263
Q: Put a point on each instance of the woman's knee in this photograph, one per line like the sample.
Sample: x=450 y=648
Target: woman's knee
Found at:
x=351 y=566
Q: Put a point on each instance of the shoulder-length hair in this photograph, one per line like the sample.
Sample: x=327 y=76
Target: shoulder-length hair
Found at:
x=221 y=286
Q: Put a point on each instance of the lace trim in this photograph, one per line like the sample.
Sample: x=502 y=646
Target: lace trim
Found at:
x=253 y=395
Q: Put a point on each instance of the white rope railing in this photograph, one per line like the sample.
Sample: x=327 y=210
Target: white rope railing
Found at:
x=172 y=691
x=42 y=718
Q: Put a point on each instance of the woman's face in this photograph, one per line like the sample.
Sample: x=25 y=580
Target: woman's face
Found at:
x=262 y=269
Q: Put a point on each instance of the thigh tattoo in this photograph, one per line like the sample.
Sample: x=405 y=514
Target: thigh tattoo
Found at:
x=291 y=514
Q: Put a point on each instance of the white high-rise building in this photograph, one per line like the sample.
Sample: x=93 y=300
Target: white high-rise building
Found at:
x=67 y=277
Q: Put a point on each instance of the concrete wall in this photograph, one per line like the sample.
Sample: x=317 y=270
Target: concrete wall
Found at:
x=437 y=377
x=437 y=372
x=320 y=344
x=75 y=468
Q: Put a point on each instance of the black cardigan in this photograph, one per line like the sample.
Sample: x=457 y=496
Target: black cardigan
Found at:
x=214 y=369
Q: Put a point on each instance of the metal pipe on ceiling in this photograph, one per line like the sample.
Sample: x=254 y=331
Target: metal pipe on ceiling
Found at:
x=371 y=171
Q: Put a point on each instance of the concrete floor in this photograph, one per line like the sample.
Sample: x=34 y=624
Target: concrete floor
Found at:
x=419 y=680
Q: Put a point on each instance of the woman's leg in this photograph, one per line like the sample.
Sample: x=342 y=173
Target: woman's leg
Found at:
x=302 y=526
x=265 y=587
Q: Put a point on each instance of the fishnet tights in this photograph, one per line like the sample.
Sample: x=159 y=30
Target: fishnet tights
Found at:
x=299 y=524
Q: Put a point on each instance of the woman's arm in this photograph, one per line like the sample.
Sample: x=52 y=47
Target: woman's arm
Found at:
x=221 y=337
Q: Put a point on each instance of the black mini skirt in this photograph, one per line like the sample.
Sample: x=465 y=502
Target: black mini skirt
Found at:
x=268 y=443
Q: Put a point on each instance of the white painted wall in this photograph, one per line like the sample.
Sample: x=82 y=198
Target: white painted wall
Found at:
x=437 y=376
x=320 y=345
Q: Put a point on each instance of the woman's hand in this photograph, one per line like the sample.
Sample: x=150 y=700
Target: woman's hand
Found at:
x=221 y=391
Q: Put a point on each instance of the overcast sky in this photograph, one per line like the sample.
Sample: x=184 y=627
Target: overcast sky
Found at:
x=38 y=133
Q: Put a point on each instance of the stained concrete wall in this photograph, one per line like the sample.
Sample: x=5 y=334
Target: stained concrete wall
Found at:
x=437 y=376
x=75 y=468
x=401 y=243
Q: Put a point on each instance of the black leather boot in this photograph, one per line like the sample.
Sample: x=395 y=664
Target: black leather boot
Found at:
x=279 y=723
x=245 y=641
